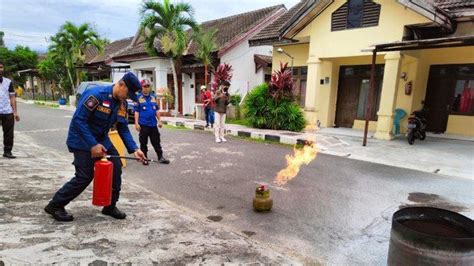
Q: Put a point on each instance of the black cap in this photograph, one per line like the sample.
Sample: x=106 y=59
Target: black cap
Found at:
x=133 y=85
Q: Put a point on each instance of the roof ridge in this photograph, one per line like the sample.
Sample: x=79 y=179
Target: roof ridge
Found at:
x=245 y=13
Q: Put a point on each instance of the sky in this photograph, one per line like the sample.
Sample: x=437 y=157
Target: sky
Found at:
x=32 y=22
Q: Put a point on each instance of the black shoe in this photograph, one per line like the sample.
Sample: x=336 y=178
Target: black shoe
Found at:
x=9 y=155
x=114 y=212
x=162 y=160
x=59 y=214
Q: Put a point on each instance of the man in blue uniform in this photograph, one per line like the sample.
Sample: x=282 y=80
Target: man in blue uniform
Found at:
x=100 y=109
x=147 y=116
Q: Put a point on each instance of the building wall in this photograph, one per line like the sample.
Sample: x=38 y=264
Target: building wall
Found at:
x=160 y=66
x=300 y=52
x=329 y=50
x=417 y=66
x=188 y=94
x=241 y=58
x=325 y=43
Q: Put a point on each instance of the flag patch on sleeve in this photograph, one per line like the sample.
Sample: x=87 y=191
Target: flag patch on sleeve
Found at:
x=91 y=103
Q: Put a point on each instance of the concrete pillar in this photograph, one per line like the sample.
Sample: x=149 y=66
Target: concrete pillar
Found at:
x=325 y=93
x=391 y=78
x=312 y=103
x=161 y=78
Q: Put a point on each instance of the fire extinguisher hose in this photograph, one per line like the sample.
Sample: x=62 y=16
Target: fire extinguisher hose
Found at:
x=129 y=158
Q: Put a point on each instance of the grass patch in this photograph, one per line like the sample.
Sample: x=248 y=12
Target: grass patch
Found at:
x=242 y=122
x=175 y=127
x=47 y=104
x=262 y=141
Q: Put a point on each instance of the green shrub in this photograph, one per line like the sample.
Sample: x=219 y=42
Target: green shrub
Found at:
x=235 y=99
x=262 y=111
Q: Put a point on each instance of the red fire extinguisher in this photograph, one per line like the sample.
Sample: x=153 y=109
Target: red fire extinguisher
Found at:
x=102 y=190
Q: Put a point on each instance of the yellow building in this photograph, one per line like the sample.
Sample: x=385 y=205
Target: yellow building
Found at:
x=328 y=43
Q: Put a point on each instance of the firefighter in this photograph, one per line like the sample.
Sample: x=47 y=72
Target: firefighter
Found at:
x=100 y=109
x=147 y=117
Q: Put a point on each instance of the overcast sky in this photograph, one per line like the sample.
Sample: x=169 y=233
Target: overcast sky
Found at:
x=32 y=22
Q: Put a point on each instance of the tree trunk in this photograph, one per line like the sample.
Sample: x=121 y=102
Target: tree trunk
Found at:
x=78 y=77
x=53 y=87
x=205 y=74
x=70 y=78
x=175 y=85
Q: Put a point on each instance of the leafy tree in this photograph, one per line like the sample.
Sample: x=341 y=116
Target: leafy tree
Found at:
x=69 y=46
x=52 y=69
x=21 y=58
x=206 y=45
x=167 y=23
x=2 y=43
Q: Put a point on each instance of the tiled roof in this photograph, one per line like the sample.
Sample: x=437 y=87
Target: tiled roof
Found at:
x=231 y=28
x=90 y=53
x=110 y=50
x=457 y=8
x=272 y=31
x=267 y=58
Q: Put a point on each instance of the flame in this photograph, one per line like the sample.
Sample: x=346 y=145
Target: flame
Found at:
x=294 y=162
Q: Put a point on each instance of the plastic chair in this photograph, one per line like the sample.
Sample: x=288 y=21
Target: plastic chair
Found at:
x=399 y=115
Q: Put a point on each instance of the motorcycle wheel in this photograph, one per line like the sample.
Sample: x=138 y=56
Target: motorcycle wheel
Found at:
x=411 y=138
x=422 y=135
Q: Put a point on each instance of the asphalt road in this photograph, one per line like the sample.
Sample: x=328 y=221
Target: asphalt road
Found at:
x=336 y=211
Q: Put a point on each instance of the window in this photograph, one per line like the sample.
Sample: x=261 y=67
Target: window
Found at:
x=299 y=78
x=463 y=102
x=356 y=14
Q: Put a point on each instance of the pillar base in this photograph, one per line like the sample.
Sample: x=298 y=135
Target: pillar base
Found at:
x=384 y=127
x=311 y=116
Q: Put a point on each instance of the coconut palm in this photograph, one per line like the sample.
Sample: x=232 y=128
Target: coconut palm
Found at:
x=167 y=23
x=206 y=45
x=71 y=42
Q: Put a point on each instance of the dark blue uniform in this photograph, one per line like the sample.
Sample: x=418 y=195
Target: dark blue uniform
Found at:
x=95 y=115
x=147 y=108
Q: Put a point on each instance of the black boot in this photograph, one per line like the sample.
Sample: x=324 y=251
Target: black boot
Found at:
x=59 y=213
x=113 y=212
x=146 y=156
x=9 y=155
x=162 y=159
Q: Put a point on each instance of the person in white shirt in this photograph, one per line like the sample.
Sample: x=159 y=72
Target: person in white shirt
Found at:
x=8 y=113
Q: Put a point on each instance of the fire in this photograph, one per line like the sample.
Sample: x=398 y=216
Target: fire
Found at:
x=294 y=162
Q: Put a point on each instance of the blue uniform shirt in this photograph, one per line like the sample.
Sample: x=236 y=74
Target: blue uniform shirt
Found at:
x=147 y=107
x=96 y=114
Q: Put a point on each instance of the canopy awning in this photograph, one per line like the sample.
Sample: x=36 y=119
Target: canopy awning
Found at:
x=435 y=43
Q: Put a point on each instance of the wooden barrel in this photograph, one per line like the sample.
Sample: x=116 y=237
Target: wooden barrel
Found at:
x=431 y=236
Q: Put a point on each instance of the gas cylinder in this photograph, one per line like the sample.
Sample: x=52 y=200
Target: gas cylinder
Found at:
x=102 y=190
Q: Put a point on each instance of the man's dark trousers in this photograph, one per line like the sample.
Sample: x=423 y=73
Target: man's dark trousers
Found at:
x=8 y=123
x=84 y=164
x=154 y=135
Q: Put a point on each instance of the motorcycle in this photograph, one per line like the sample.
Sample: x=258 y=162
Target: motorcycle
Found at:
x=416 y=126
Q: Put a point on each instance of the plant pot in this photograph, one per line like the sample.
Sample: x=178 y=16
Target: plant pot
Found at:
x=262 y=202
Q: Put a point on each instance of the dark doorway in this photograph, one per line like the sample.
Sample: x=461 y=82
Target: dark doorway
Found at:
x=180 y=91
x=450 y=91
x=199 y=80
x=353 y=94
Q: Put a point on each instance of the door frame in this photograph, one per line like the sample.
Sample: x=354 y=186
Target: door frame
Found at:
x=379 y=82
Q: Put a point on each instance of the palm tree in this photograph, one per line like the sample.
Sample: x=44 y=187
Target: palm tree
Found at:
x=59 y=50
x=206 y=45
x=167 y=23
x=71 y=42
